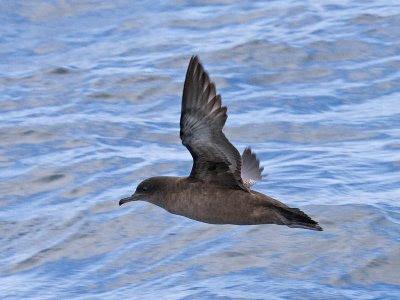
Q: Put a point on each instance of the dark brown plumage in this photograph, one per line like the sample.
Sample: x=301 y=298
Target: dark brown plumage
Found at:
x=217 y=191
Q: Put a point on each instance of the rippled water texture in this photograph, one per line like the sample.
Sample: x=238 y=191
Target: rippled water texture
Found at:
x=90 y=104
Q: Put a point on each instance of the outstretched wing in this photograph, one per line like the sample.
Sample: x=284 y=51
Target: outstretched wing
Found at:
x=215 y=159
x=251 y=170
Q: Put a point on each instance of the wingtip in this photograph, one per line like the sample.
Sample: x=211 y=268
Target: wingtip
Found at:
x=308 y=226
x=316 y=227
x=251 y=168
x=246 y=150
x=194 y=59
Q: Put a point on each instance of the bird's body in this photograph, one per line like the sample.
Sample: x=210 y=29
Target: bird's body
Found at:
x=214 y=204
x=218 y=189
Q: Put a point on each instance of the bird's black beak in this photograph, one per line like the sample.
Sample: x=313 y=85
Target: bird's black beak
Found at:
x=134 y=197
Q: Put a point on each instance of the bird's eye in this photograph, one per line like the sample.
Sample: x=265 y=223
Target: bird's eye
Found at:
x=144 y=189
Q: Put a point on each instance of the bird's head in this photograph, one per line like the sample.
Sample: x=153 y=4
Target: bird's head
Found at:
x=150 y=190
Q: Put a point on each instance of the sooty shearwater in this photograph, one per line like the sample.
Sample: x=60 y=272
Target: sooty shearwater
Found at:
x=218 y=189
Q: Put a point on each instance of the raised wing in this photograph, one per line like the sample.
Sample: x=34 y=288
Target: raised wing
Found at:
x=251 y=170
x=215 y=159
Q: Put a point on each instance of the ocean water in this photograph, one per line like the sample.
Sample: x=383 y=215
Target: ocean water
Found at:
x=90 y=97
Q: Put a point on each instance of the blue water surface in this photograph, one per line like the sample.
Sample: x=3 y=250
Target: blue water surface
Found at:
x=90 y=97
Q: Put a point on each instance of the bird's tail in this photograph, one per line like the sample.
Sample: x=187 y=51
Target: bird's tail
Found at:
x=295 y=218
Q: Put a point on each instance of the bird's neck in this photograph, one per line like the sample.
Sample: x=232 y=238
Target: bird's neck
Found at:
x=167 y=196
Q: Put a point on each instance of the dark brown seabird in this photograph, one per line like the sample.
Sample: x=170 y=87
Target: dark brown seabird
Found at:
x=217 y=191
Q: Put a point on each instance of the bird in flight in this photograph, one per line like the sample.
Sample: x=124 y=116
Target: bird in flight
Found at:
x=218 y=189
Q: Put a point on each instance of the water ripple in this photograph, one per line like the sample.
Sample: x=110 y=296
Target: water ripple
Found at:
x=90 y=106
